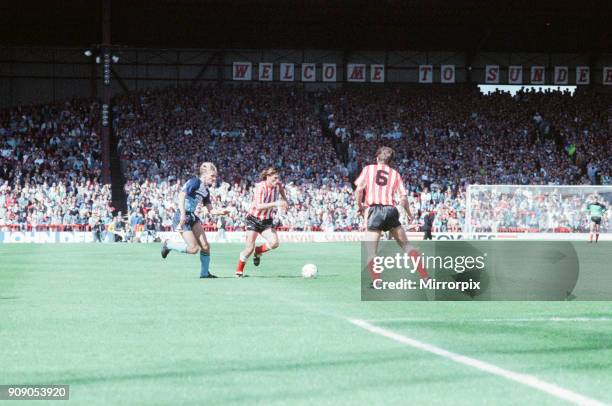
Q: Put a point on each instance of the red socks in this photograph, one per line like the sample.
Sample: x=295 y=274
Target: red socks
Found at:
x=240 y=266
x=374 y=275
x=242 y=260
x=261 y=249
x=420 y=269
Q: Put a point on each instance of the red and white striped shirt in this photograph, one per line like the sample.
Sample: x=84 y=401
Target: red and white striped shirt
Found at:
x=264 y=193
x=381 y=183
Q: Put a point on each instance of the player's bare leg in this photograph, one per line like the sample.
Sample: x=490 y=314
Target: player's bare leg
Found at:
x=271 y=243
x=596 y=233
x=189 y=246
x=249 y=248
x=192 y=242
x=372 y=239
x=204 y=249
x=401 y=238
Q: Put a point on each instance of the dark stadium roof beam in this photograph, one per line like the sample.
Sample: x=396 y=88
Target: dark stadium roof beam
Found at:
x=473 y=51
x=358 y=25
x=215 y=56
x=119 y=80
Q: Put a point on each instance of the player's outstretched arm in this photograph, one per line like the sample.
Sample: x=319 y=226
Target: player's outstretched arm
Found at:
x=263 y=206
x=217 y=212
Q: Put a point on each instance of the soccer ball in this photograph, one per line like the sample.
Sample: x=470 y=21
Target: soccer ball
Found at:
x=309 y=271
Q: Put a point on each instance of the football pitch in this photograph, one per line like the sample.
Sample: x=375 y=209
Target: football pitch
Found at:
x=122 y=326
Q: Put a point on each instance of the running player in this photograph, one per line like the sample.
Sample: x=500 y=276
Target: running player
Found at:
x=269 y=195
x=380 y=184
x=187 y=223
x=596 y=210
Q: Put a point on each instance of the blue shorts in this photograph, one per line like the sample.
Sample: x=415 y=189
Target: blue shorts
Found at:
x=190 y=220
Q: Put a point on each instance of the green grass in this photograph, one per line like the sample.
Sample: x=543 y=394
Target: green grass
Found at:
x=123 y=326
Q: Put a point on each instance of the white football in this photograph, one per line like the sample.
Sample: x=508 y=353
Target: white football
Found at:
x=309 y=271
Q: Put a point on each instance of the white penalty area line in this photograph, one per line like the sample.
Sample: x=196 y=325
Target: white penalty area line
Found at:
x=524 y=379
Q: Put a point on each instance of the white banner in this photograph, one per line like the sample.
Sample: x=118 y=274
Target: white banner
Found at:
x=377 y=73
x=51 y=237
x=329 y=72
x=607 y=75
x=515 y=75
x=287 y=72
x=45 y=237
x=425 y=74
x=580 y=237
x=355 y=72
x=242 y=70
x=266 y=71
x=492 y=74
x=583 y=75
x=309 y=72
x=561 y=75
x=537 y=75
x=447 y=74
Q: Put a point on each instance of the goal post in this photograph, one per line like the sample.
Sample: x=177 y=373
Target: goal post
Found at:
x=534 y=208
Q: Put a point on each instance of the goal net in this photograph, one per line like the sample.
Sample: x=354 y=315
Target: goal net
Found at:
x=534 y=208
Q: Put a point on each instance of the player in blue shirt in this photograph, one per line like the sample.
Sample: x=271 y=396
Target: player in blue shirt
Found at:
x=194 y=192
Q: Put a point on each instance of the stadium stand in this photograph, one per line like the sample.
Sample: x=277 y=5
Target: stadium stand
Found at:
x=50 y=168
x=446 y=137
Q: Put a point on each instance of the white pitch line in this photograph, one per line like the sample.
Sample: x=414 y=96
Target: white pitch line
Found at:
x=497 y=320
x=548 y=319
x=529 y=380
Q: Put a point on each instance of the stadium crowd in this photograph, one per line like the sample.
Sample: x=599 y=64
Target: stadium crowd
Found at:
x=532 y=209
x=446 y=137
x=449 y=137
x=50 y=169
x=164 y=135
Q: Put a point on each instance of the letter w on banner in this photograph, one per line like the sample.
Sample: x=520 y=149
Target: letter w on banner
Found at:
x=355 y=72
x=447 y=73
x=425 y=74
x=242 y=70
